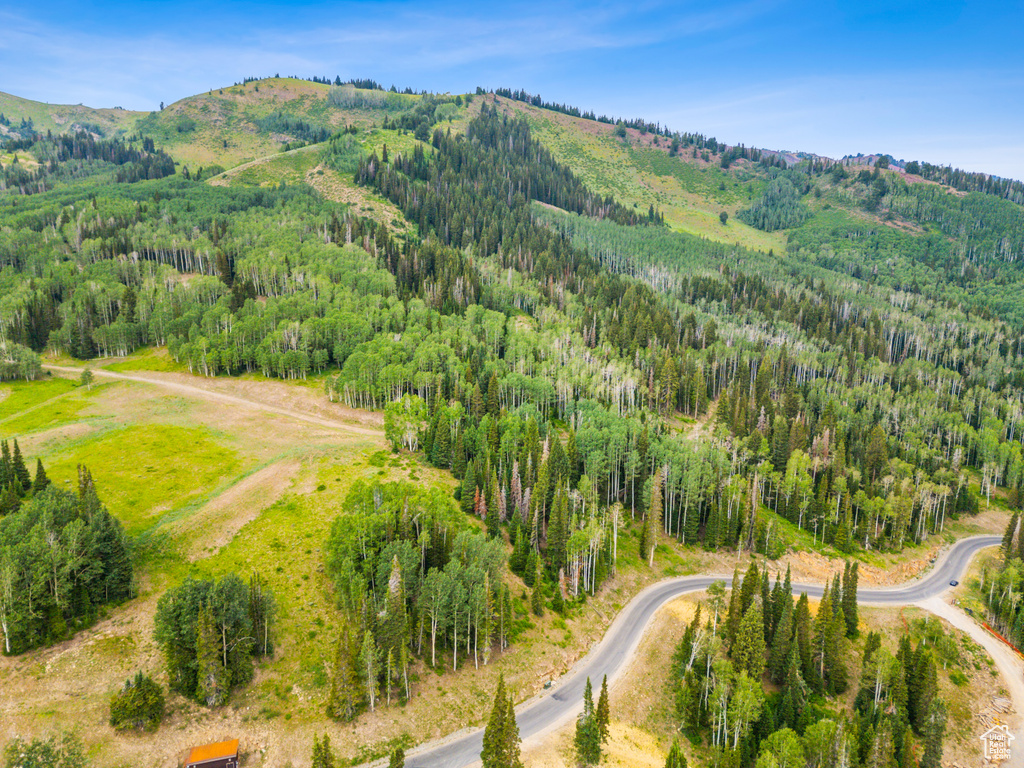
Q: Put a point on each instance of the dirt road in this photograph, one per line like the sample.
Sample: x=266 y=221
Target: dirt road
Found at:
x=1007 y=662
x=206 y=392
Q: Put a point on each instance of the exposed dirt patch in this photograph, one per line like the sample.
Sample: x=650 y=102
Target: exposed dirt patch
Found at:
x=984 y=688
x=333 y=186
x=216 y=523
x=627 y=746
x=54 y=440
x=300 y=403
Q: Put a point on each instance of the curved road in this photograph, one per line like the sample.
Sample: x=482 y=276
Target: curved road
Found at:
x=612 y=654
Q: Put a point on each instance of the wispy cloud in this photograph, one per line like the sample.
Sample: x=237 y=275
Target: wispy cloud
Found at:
x=57 y=62
x=794 y=74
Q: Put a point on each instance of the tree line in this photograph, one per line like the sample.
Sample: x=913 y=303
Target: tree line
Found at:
x=413 y=580
x=63 y=556
x=63 y=157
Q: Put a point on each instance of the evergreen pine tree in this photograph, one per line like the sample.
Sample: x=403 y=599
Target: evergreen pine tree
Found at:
x=492 y=518
x=492 y=750
x=923 y=691
x=732 y=621
x=572 y=457
x=766 y=604
x=115 y=575
x=603 y=710
x=468 y=494
x=748 y=590
x=6 y=471
x=510 y=740
x=843 y=541
x=493 y=402
x=557 y=528
x=212 y=680
x=459 y=456
x=323 y=757
x=10 y=499
x=676 y=758
x=19 y=468
x=652 y=521
x=501 y=744
x=850 y=578
x=88 y=500
x=1008 y=535
x=393 y=627
x=934 y=731
x=537 y=597
x=781 y=644
x=876 y=457
x=41 y=480
x=794 y=692
x=345 y=694
x=803 y=635
x=898 y=697
x=588 y=734
x=748 y=651
x=440 y=450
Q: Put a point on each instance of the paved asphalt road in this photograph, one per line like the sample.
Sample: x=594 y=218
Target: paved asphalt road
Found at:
x=611 y=655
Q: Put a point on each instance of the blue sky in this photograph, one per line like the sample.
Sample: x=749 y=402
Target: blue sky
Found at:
x=941 y=81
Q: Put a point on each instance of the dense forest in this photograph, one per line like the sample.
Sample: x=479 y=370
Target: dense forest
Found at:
x=529 y=335
x=897 y=716
x=62 y=556
x=412 y=578
x=69 y=156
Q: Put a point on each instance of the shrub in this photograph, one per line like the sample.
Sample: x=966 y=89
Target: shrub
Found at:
x=138 y=706
x=64 y=751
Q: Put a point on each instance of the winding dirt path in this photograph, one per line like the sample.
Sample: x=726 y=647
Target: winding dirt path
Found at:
x=210 y=395
x=1007 y=662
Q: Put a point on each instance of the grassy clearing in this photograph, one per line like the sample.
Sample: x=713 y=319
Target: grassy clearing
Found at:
x=221 y=126
x=23 y=158
x=27 y=407
x=144 y=470
x=288 y=167
x=18 y=396
x=285 y=543
x=147 y=359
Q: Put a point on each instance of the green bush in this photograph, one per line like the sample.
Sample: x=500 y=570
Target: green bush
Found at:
x=64 y=751
x=138 y=706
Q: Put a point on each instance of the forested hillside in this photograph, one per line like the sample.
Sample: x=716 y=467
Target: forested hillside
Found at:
x=853 y=407
x=584 y=369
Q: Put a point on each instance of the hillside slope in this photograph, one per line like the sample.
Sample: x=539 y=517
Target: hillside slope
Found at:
x=64 y=118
